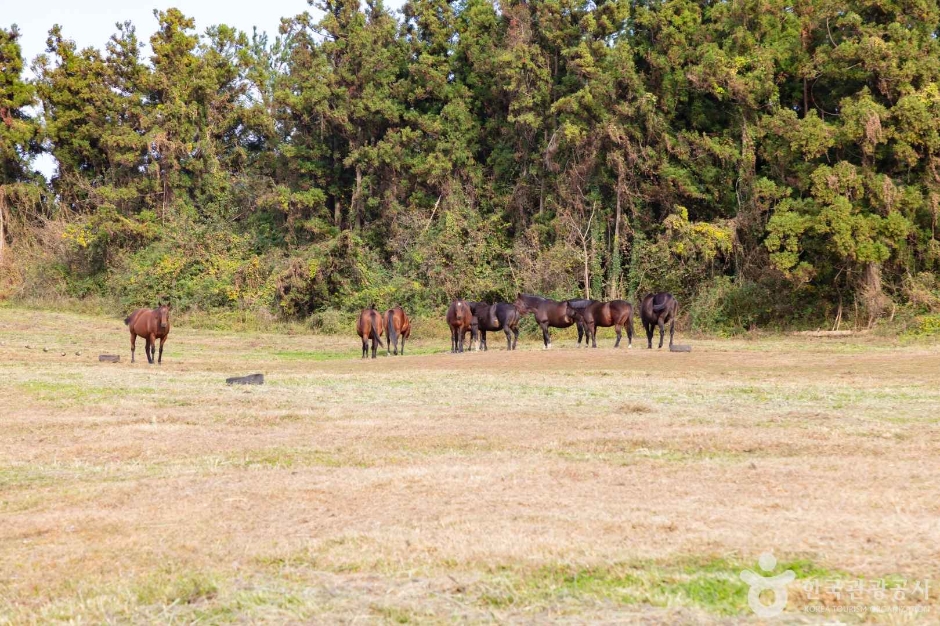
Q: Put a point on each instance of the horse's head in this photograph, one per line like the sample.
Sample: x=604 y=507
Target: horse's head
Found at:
x=163 y=316
x=521 y=305
x=571 y=313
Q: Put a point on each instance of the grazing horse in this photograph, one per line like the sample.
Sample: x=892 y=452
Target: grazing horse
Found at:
x=616 y=313
x=656 y=311
x=370 y=326
x=548 y=313
x=151 y=324
x=578 y=305
x=500 y=316
x=397 y=326
x=461 y=321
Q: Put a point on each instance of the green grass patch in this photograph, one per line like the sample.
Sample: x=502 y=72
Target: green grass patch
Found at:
x=713 y=585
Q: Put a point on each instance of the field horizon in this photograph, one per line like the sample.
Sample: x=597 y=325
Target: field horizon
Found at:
x=562 y=485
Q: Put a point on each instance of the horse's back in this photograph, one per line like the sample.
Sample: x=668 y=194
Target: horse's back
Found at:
x=138 y=322
x=507 y=314
x=364 y=323
x=377 y=322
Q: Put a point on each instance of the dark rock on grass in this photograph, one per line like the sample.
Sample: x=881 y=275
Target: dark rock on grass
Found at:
x=251 y=379
x=109 y=358
x=678 y=348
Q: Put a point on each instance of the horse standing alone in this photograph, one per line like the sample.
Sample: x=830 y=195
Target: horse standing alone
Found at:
x=370 y=326
x=397 y=325
x=151 y=324
x=656 y=311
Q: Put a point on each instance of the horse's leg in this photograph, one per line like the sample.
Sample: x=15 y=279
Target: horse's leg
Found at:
x=592 y=331
x=648 y=326
x=403 y=345
x=133 y=345
x=515 y=337
x=545 y=336
x=508 y=331
x=629 y=326
x=375 y=345
x=672 y=330
x=617 y=330
x=151 y=340
x=365 y=346
x=580 y=326
x=662 y=332
x=162 y=339
x=483 y=340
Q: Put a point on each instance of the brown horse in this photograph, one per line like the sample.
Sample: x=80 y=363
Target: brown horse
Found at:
x=151 y=324
x=461 y=321
x=656 y=311
x=370 y=326
x=397 y=325
x=616 y=313
x=547 y=313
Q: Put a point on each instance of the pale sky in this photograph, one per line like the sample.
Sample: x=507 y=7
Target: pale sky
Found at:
x=92 y=22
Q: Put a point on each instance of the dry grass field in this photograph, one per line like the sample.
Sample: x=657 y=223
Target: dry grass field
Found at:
x=564 y=485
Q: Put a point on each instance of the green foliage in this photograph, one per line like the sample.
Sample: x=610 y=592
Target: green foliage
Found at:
x=924 y=326
x=762 y=163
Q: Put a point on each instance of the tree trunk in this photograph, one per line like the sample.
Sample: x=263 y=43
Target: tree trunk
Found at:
x=615 y=252
x=3 y=208
x=587 y=267
x=355 y=207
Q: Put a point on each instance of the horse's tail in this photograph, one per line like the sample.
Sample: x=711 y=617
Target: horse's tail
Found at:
x=390 y=327
x=659 y=307
x=374 y=332
x=127 y=320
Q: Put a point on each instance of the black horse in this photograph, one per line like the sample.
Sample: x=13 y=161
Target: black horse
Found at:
x=548 y=313
x=657 y=311
x=579 y=306
x=499 y=316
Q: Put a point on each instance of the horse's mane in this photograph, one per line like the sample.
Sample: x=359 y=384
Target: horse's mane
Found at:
x=579 y=303
x=526 y=296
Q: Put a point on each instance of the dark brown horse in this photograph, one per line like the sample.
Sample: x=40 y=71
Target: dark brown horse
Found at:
x=499 y=316
x=578 y=305
x=616 y=313
x=397 y=325
x=461 y=321
x=370 y=326
x=151 y=324
x=657 y=311
x=548 y=313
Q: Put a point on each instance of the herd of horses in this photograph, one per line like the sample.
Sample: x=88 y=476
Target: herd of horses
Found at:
x=465 y=317
x=477 y=318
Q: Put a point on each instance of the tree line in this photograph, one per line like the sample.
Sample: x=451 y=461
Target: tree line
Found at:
x=768 y=161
